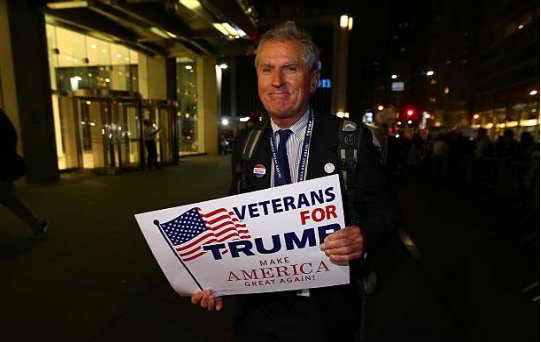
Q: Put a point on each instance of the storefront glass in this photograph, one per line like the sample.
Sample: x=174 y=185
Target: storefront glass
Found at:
x=80 y=62
x=519 y=118
x=83 y=71
x=93 y=131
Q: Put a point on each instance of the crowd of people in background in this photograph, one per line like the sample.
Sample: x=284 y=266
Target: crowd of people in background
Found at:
x=415 y=149
x=505 y=146
x=432 y=150
x=519 y=157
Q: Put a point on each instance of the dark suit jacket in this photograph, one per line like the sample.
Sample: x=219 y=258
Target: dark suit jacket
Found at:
x=369 y=195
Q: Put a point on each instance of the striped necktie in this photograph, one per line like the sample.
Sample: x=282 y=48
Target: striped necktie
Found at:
x=281 y=155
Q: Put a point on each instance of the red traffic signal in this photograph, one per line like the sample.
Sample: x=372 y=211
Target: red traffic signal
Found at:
x=410 y=112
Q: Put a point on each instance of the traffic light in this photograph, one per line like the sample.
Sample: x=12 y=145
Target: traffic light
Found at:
x=410 y=112
x=410 y=115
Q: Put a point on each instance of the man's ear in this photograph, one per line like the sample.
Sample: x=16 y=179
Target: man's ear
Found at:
x=314 y=80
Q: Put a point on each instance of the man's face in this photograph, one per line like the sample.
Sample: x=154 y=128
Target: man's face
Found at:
x=284 y=81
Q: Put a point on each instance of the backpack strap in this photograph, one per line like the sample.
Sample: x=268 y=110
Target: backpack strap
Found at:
x=349 y=150
x=250 y=145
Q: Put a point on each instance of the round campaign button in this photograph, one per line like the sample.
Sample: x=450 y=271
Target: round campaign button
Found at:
x=259 y=170
x=329 y=168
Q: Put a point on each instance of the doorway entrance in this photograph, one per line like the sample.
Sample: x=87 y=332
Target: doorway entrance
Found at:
x=102 y=130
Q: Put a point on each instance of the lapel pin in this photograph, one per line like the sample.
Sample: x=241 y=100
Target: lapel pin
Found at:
x=259 y=170
x=329 y=167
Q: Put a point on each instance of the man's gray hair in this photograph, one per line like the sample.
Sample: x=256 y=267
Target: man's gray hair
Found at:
x=290 y=32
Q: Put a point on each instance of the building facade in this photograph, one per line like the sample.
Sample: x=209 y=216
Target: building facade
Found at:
x=78 y=78
x=506 y=95
x=458 y=65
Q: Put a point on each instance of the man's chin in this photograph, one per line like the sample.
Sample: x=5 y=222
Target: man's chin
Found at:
x=282 y=114
x=278 y=108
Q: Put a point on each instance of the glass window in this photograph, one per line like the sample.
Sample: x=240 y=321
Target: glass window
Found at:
x=81 y=62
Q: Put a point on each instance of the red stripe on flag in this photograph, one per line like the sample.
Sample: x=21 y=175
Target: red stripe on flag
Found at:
x=212 y=213
x=205 y=238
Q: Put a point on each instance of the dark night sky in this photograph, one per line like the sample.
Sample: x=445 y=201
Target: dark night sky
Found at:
x=370 y=27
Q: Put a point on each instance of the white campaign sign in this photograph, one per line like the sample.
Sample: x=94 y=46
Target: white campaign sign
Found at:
x=261 y=241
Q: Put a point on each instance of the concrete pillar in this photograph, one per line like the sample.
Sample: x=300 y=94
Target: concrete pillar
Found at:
x=207 y=105
x=7 y=75
x=26 y=85
x=340 y=69
x=152 y=77
x=171 y=78
x=233 y=86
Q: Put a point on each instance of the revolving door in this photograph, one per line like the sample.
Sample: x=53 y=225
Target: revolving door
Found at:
x=102 y=132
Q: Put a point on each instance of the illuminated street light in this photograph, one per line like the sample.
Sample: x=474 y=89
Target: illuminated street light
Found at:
x=380 y=107
x=533 y=92
x=394 y=77
x=430 y=73
x=344 y=21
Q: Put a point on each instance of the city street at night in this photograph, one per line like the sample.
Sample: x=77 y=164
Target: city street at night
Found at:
x=396 y=144
x=461 y=268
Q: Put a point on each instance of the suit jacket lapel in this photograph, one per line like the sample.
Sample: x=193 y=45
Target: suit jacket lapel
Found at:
x=323 y=148
x=323 y=151
x=262 y=157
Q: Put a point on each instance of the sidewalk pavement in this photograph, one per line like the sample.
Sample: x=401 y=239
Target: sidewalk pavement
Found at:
x=94 y=278
x=470 y=276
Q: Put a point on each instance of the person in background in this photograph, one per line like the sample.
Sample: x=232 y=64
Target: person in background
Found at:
x=483 y=145
x=224 y=145
x=8 y=197
x=440 y=149
x=150 y=133
x=288 y=73
x=506 y=145
x=525 y=147
x=252 y=121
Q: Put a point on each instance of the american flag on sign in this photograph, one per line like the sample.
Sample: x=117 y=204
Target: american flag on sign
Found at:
x=193 y=229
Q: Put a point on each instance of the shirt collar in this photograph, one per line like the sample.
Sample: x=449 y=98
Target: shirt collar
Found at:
x=298 y=127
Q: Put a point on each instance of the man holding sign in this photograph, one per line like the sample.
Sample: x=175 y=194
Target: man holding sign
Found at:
x=294 y=145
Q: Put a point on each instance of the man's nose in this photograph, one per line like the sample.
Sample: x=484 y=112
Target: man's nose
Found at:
x=277 y=78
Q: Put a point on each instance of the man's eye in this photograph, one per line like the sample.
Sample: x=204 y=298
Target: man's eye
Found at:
x=266 y=70
x=291 y=69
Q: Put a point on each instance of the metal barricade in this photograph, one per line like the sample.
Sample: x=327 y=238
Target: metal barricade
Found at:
x=511 y=178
